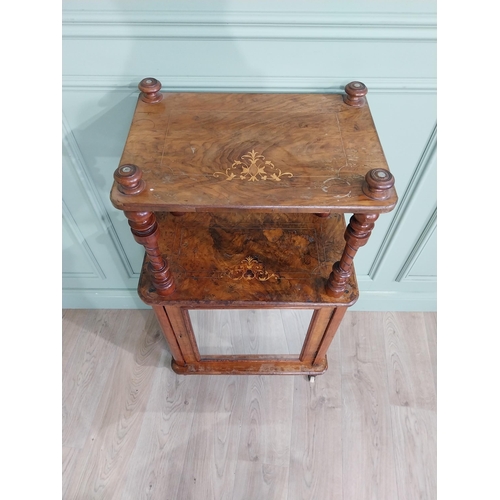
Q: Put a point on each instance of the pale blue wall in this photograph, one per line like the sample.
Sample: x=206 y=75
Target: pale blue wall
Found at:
x=277 y=46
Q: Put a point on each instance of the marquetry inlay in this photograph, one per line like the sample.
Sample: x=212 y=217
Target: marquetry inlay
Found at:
x=253 y=167
x=249 y=269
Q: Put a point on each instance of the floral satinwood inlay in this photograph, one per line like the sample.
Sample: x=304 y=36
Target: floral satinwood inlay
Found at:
x=253 y=167
x=249 y=269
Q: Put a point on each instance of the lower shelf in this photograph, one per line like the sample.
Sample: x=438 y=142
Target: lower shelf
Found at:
x=239 y=259
x=261 y=365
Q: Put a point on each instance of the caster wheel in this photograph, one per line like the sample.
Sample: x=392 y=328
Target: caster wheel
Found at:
x=311 y=378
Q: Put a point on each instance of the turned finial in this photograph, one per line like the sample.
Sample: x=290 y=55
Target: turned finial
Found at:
x=356 y=92
x=378 y=184
x=129 y=179
x=150 y=90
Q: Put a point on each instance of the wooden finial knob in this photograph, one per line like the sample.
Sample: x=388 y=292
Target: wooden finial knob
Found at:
x=150 y=90
x=356 y=92
x=129 y=179
x=378 y=184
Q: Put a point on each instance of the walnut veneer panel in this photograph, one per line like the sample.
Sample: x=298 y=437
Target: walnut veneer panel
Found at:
x=249 y=259
x=262 y=152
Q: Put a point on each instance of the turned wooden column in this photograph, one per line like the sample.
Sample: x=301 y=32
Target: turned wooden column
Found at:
x=378 y=185
x=356 y=235
x=145 y=228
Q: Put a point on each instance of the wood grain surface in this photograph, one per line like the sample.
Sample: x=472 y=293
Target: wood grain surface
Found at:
x=70 y=460
x=94 y=357
x=157 y=458
x=267 y=421
x=76 y=321
x=209 y=468
x=431 y=329
x=409 y=362
x=366 y=417
x=120 y=409
x=249 y=259
x=296 y=152
x=358 y=432
x=316 y=440
x=415 y=452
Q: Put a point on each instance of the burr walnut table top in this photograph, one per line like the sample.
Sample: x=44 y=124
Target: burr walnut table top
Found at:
x=210 y=152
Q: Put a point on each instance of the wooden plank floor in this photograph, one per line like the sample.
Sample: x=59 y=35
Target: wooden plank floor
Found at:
x=133 y=429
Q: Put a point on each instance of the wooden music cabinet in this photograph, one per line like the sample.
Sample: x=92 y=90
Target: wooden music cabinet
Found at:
x=239 y=201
